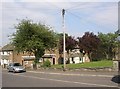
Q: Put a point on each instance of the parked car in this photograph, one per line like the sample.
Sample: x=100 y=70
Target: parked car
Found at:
x=16 y=67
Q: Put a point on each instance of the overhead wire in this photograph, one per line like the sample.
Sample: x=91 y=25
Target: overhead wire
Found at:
x=71 y=8
x=85 y=21
x=81 y=22
x=75 y=7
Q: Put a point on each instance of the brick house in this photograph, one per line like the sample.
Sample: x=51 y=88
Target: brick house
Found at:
x=8 y=55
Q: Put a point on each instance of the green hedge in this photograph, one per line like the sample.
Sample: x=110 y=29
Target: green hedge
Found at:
x=46 y=63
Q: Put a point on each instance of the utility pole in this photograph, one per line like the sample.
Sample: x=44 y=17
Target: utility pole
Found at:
x=63 y=23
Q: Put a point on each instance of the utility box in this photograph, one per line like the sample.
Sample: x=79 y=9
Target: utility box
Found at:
x=116 y=61
x=116 y=65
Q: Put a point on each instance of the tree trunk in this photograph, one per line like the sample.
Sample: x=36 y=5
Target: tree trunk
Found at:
x=38 y=54
x=90 y=54
x=68 y=55
x=35 y=65
x=107 y=56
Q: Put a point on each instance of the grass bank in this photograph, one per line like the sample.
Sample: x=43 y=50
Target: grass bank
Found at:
x=96 y=64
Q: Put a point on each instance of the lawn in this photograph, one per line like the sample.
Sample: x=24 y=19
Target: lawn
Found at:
x=96 y=64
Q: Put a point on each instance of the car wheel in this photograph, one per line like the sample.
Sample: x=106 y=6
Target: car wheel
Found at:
x=8 y=70
x=13 y=71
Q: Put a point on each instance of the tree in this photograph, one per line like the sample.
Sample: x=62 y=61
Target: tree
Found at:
x=70 y=43
x=89 y=43
x=108 y=44
x=33 y=38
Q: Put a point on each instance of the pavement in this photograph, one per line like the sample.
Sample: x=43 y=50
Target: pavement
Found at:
x=75 y=72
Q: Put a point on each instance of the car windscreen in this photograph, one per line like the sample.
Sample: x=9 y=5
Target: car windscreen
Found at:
x=16 y=64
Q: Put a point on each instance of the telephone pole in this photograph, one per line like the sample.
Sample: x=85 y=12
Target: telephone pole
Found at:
x=63 y=25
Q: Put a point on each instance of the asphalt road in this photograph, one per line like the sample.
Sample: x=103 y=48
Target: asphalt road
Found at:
x=57 y=79
x=0 y=77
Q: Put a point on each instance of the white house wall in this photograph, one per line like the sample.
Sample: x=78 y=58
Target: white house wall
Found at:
x=4 y=61
x=76 y=60
x=1 y=61
x=83 y=59
x=5 y=53
x=70 y=60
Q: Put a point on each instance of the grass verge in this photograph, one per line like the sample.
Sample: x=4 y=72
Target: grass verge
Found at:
x=96 y=64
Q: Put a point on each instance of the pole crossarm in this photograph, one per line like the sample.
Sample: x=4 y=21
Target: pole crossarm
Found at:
x=63 y=12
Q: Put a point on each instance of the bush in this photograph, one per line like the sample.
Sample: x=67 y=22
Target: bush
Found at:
x=47 y=63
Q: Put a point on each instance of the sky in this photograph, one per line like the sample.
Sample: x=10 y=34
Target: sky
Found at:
x=80 y=16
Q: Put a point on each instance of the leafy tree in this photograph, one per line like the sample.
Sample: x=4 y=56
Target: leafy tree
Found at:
x=88 y=43
x=70 y=43
x=33 y=38
x=60 y=46
x=108 y=44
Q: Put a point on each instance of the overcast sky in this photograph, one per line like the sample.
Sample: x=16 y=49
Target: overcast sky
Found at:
x=80 y=17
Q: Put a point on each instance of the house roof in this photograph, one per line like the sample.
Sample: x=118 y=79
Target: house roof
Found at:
x=117 y=60
x=8 y=47
x=33 y=57
x=75 y=55
x=48 y=55
x=4 y=57
x=27 y=58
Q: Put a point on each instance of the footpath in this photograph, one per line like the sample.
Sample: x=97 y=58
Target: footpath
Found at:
x=75 y=72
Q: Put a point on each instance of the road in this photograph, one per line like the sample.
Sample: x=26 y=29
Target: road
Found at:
x=0 y=77
x=57 y=79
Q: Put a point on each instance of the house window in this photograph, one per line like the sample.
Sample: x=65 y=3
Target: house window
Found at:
x=80 y=59
x=26 y=62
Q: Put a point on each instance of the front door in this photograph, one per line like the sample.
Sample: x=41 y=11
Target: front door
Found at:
x=53 y=61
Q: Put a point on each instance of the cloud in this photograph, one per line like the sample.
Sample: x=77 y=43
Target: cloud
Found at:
x=35 y=11
x=103 y=12
x=13 y=11
x=50 y=13
x=60 y=0
x=108 y=16
x=0 y=24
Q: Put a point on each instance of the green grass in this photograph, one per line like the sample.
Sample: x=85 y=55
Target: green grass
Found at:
x=97 y=64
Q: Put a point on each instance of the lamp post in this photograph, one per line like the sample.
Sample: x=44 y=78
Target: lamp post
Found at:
x=118 y=55
x=63 y=25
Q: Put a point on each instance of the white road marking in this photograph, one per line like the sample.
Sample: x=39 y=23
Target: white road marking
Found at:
x=73 y=74
x=92 y=75
x=97 y=85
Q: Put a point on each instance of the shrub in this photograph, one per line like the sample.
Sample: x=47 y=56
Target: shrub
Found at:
x=47 y=63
